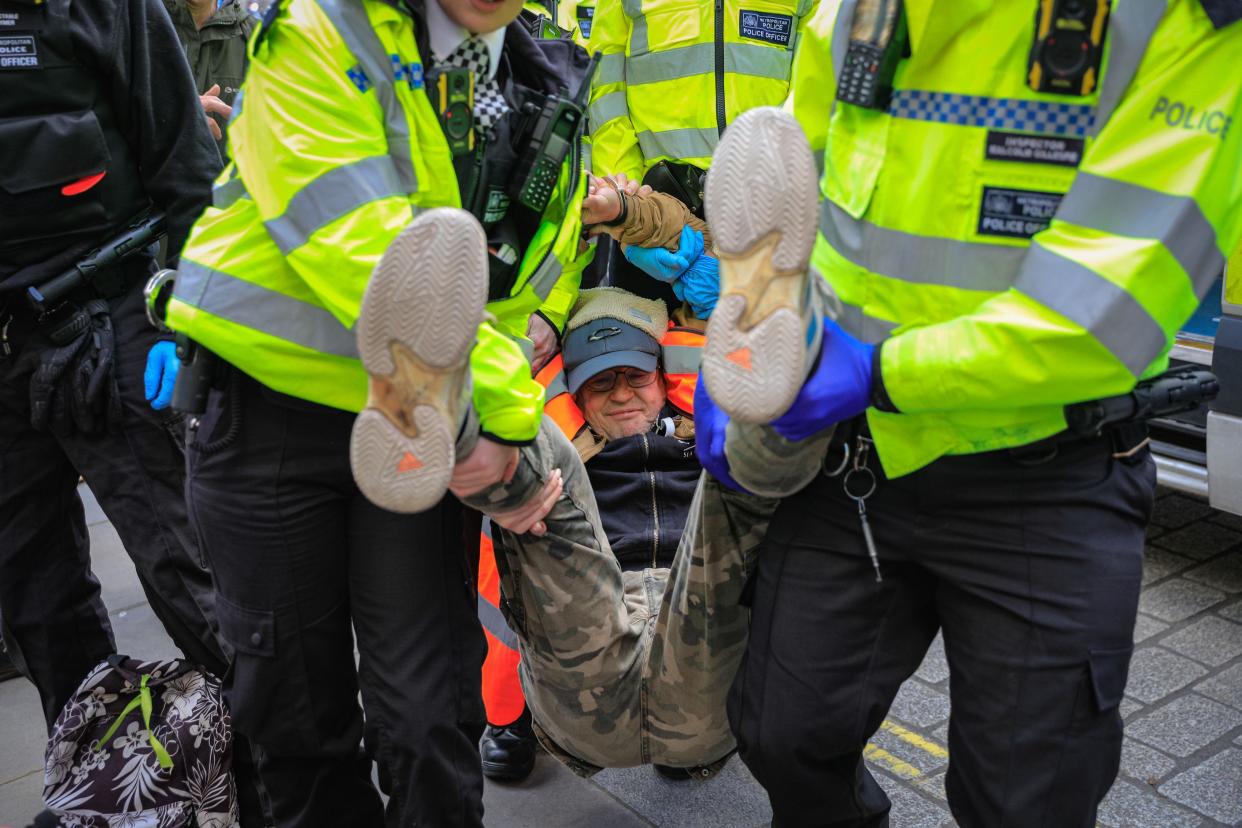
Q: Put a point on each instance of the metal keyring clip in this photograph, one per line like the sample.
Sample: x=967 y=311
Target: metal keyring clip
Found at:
x=155 y=298
x=845 y=461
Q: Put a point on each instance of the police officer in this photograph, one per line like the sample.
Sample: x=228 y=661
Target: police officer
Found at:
x=96 y=126
x=674 y=75
x=354 y=118
x=1006 y=237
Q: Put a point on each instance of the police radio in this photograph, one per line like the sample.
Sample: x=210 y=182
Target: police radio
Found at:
x=878 y=41
x=556 y=126
x=454 y=92
x=1069 y=43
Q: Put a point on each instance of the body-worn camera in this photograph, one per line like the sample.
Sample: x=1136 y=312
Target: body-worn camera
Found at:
x=454 y=98
x=1069 y=42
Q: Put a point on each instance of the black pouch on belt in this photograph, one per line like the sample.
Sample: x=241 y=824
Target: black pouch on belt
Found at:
x=73 y=387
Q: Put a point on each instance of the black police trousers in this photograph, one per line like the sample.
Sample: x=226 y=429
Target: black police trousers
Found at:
x=1030 y=563
x=50 y=609
x=303 y=563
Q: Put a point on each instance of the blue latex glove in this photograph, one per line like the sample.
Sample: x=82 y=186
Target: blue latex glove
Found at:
x=839 y=388
x=699 y=286
x=659 y=263
x=709 y=436
x=161 y=374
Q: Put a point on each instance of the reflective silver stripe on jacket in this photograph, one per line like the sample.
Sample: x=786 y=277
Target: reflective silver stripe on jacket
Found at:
x=546 y=274
x=351 y=22
x=1130 y=30
x=606 y=108
x=493 y=620
x=638 y=28
x=1124 y=209
x=690 y=142
x=611 y=70
x=699 y=59
x=1112 y=316
x=224 y=195
x=556 y=387
x=867 y=328
x=267 y=311
x=682 y=359
x=919 y=259
x=335 y=194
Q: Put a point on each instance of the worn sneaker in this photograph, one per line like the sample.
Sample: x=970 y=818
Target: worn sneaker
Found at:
x=762 y=207
x=419 y=319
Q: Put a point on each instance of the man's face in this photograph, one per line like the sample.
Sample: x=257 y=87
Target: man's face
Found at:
x=625 y=409
x=481 y=16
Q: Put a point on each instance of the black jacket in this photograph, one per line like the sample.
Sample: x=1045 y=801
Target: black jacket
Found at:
x=130 y=47
x=643 y=485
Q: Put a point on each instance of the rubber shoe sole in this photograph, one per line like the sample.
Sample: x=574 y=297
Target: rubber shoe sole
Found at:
x=762 y=208
x=419 y=319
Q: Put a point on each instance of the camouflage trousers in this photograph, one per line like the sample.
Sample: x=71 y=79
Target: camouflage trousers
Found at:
x=627 y=668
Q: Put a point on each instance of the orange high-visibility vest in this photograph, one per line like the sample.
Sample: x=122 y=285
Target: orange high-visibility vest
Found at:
x=502 y=692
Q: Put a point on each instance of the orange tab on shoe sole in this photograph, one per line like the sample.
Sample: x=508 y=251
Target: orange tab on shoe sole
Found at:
x=740 y=358
x=408 y=463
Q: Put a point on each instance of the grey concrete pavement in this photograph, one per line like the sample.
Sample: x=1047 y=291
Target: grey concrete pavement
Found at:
x=1181 y=763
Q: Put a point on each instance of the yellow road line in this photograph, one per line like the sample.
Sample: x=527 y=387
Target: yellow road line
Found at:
x=912 y=738
x=899 y=767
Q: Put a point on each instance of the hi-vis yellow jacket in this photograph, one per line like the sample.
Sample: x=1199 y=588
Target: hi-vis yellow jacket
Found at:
x=1019 y=251
x=675 y=73
x=335 y=148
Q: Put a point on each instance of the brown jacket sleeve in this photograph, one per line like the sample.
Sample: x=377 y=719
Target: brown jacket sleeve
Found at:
x=655 y=220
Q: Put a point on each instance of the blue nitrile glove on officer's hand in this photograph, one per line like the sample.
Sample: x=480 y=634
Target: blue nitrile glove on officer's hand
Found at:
x=699 y=286
x=838 y=388
x=661 y=264
x=161 y=374
x=710 y=424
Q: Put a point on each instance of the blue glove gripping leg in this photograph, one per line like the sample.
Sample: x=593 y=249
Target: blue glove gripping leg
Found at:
x=659 y=263
x=838 y=388
x=700 y=285
x=160 y=375
x=710 y=424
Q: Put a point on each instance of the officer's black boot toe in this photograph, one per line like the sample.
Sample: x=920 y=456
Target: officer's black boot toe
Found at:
x=508 y=752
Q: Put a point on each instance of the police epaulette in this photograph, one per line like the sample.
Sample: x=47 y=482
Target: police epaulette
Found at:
x=1222 y=12
x=269 y=17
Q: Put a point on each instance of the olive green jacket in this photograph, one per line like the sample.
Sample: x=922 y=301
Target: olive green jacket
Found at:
x=216 y=52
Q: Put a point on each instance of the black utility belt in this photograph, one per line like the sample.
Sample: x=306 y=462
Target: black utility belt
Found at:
x=1125 y=441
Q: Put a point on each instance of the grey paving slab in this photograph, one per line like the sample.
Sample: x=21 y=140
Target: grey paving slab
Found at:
x=1128 y=708
x=1156 y=672
x=920 y=705
x=1226 y=519
x=1143 y=763
x=1184 y=725
x=94 y=513
x=935 y=668
x=21 y=729
x=1145 y=627
x=1161 y=563
x=1201 y=540
x=1213 y=787
x=578 y=801
x=1131 y=806
x=933 y=785
x=910 y=810
x=690 y=804
x=1232 y=611
x=1178 y=599
x=114 y=569
x=1225 y=686
x=21 y=800
x=1211 y=640
x=1174 y=510
x=1224 y=572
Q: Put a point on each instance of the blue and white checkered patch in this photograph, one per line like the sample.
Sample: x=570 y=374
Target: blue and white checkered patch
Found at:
x=359 y=78
x=1012 y=114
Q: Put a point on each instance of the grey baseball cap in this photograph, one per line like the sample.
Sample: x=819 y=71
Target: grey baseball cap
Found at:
x=606 y=343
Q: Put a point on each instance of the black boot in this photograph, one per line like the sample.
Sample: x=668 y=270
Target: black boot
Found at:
x=508 y=752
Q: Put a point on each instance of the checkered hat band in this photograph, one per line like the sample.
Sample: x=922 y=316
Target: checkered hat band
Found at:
x=1047 y=117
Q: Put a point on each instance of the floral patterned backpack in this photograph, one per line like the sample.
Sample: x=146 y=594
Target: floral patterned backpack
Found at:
x=143 y=745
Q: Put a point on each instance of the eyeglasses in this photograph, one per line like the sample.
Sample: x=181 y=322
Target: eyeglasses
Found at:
x=607 y=380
